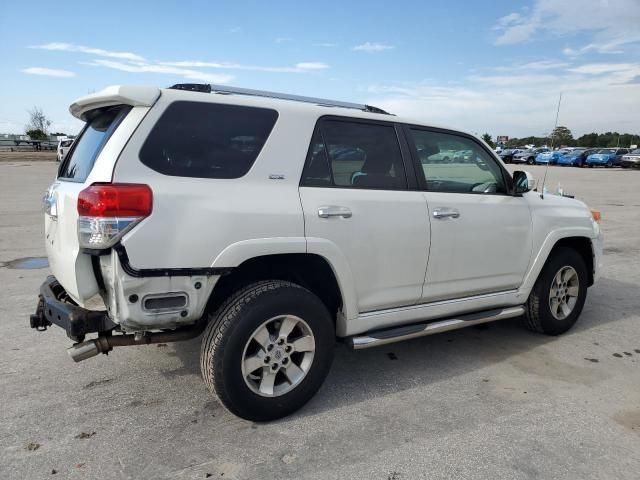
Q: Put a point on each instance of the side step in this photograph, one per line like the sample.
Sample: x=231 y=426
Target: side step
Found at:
x=391 y=335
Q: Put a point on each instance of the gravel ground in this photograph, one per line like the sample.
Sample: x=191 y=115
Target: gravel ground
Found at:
x=496 y=402
x=28 y=156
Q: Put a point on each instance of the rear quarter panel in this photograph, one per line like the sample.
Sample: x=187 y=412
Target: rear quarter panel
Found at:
x=195 y=220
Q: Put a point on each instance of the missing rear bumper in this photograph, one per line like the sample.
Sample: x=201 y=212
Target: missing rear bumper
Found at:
x=55 y=307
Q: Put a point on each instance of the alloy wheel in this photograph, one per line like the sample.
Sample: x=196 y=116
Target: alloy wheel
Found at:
x=563 y=295
x=278 y=356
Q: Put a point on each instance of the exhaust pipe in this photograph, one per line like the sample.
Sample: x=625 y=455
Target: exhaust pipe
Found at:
x=105 y=343
x=84 y=350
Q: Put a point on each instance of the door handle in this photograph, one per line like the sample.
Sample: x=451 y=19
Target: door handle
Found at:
x=327 y=211
x=446 y=213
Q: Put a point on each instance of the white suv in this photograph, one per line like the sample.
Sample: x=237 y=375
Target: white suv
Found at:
x=275 y=223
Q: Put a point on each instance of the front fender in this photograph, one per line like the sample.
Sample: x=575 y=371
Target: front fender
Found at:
x=545 y=250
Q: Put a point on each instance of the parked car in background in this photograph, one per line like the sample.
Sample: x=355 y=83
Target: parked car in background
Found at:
x=528 y=156
x=507 y=155
x=575 y=157
x=606 y=157
x=443 y=156
x=631 y=159
x=463 y=156
x=550 y=157
x=63 y=148
x=47 y=145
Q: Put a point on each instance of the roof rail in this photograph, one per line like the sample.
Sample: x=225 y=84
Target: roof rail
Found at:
x=224 y=90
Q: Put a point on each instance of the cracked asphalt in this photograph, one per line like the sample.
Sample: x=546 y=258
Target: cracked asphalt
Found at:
x=481 y=403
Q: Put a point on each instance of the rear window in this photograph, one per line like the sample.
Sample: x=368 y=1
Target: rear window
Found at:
x=207 y=140
x=100 y=125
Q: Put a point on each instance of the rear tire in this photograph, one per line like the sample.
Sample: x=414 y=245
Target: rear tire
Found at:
x=554 y=306
x=259 y=368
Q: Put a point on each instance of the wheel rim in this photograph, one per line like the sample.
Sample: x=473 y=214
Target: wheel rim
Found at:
x=278 y=356
x=564 y=292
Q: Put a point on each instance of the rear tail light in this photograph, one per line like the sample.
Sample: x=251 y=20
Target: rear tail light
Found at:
x=108 y=211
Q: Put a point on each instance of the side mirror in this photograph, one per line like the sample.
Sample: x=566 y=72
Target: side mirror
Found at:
x=523 y=182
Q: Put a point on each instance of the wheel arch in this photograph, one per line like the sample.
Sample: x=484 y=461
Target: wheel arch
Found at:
x=577 y=240
x=312 y=271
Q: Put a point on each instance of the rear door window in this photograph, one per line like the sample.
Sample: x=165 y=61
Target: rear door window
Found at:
x=101 y=123
x=207 y=140
x=355 y=155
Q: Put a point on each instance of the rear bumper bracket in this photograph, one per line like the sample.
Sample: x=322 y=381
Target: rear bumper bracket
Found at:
x=55 y=307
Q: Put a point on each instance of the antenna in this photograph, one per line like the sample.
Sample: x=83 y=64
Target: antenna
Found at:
x=544 y=179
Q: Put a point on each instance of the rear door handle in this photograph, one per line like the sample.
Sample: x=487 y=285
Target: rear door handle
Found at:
x=444 y=212
x=327 y=211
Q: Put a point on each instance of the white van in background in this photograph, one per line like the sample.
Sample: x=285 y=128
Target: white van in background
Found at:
x=64 y=144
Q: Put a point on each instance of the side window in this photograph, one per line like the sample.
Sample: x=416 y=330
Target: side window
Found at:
x=207 y=140
x=99 y=127
x=453 y=163
x=355 y=155
x=316 y=172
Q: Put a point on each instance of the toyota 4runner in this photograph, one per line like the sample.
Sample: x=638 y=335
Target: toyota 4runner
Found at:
x=273 y=224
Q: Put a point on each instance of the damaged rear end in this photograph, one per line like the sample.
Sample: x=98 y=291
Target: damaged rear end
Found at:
x=88 y=213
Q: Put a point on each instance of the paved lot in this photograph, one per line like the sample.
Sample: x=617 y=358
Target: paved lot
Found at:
x=28 y=156
x=497 y=402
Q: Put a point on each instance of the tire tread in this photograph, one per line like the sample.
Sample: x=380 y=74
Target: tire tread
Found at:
x=220 y=323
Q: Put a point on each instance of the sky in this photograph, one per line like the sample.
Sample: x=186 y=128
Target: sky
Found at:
x=482 y=66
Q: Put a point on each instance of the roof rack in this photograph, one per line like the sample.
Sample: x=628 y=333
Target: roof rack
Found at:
x=221 y=89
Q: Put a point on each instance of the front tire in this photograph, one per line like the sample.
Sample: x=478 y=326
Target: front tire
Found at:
x=530 y=161
x=557 y=298
x=267 y=350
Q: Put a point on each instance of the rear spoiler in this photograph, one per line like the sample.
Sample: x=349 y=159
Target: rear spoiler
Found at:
x=115 y=95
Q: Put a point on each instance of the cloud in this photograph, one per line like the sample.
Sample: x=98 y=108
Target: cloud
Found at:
x=71 y=47
x=189 y=69
x=516 y=28
x=283 y=39
x=49 y=72
x=297 y=68
x=326 y=45
x=600 y=68
x=540 y=65
x=312 y=66
x=141 y=67
x=596 y=97
x=610 y=23
x=371 y=47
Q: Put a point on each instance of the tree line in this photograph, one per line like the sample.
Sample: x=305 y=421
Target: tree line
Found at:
x=562 y=137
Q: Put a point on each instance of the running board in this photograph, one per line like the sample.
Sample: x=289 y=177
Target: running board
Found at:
x=391 y=335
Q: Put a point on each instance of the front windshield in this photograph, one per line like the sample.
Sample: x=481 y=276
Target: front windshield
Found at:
x=606 y=150
x=636 y=151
